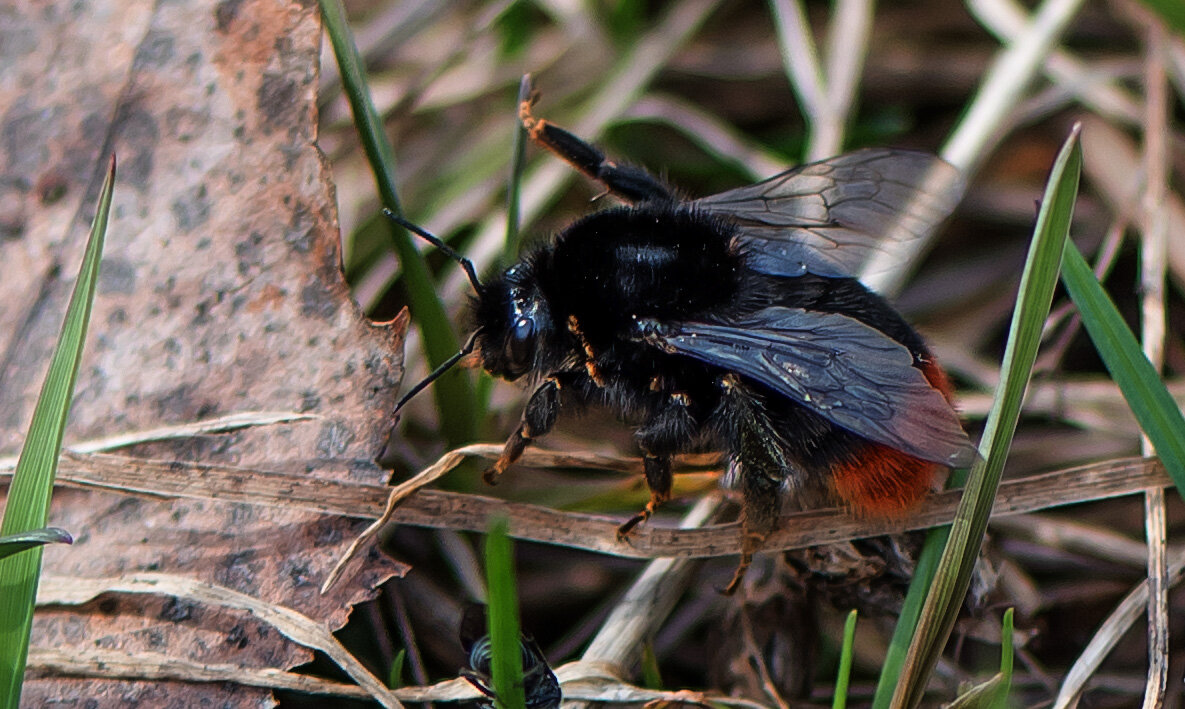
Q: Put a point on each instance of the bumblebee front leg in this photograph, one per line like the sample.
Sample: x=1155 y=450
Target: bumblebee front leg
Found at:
x=763 y=469
x=538 y=419
x=667 y=432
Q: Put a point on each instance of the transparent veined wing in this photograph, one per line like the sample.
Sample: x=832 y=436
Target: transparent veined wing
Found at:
x=849 y=373
x=831 y=217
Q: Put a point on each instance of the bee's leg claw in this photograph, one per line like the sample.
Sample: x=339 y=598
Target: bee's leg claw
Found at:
x=657 y=497
x=624 y=531
x=750 y=543
x=737 y=576
x=515 y=445
x=491 y=474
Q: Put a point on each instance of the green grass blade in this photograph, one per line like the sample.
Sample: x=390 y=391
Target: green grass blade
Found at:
x=12 y=543
x=510 y=248
x=32 y=481
x=1006 y=658
x=1153 y=406
x=395 y=672
x=1171 y=11
x=651 y=674
x=840 y=700
x=453 y=392
x=946 y=593
x=911 y=609
x=506 y=662
x=992 y=694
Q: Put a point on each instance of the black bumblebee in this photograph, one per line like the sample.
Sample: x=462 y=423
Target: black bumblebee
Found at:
x=733 y=322
x=540 y=686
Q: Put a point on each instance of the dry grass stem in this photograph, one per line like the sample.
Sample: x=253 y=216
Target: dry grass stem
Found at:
x=113 y=664
x=431 y=508
x=1007 y=19
x=1108 y=635
x=296 y=627
x=1153 y=259
x=979 y=130
x=1077 y=538
x=647 y=602
x=221 y=424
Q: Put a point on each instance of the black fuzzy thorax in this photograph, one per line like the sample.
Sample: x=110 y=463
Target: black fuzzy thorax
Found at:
x=663 y=261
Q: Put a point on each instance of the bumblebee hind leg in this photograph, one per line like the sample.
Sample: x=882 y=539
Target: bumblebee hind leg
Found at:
x=629 y=182
x=759 y=517
x=762 y=465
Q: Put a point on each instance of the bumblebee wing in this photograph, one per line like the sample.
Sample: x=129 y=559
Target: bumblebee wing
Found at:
x=830 y=217
x=539 y=681
x=849 y=373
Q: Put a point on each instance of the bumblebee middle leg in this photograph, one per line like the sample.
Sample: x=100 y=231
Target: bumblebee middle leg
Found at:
x=628 y=182
x=666 y=433
x=763 y=468
x=658 y=478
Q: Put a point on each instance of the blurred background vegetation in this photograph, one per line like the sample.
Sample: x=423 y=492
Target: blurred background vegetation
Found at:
x=698 y=91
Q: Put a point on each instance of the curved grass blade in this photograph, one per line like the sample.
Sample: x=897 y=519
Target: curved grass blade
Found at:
x=13 y=543
x=29 y=494
x=945 y=594
x=506 y=664
x=1158 y=414
x=840 y=700
x=453 y=391
x=992 y=694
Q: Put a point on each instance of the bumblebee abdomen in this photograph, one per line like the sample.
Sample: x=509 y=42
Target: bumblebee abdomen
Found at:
x=871 y=479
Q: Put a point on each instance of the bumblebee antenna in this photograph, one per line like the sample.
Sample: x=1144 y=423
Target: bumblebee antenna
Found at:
x=444 y=367
x=438 y=243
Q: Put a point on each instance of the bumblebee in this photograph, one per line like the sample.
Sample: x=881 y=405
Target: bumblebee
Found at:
x=733 y=322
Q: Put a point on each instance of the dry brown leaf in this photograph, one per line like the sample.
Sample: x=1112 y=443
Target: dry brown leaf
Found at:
x=220 y=293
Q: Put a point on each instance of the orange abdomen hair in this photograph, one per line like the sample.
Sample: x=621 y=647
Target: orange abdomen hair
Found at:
x=884 y=482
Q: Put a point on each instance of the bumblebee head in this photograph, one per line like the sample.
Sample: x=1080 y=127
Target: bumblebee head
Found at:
x=511 y=318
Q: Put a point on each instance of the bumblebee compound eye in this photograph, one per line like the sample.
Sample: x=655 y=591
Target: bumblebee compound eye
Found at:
x=520 y=346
